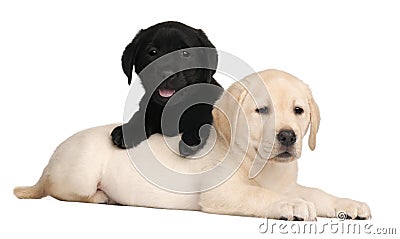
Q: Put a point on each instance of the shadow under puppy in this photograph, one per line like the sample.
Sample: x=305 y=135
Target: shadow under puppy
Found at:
x=251 y=128
x=168 y=58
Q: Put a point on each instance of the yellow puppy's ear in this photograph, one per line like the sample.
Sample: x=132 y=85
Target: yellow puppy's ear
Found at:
x=230 y=101
x=314 y=120
x=221 y=124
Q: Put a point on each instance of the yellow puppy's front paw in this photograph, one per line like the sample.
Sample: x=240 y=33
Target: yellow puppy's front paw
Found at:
x=350 y=209
x=292 y=209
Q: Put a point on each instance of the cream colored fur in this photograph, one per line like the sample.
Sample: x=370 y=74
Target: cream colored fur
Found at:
x=88 y=168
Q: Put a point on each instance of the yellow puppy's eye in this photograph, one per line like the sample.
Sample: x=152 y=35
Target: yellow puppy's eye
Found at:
x=262 y=110
x=298 y=110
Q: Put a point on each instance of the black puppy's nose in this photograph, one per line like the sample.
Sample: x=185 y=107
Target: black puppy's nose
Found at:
x=286 y=137
x=166 y=74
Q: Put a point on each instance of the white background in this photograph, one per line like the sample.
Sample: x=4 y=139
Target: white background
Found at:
x=60 y=73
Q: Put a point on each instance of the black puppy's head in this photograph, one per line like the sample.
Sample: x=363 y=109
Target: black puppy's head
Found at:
x=159 y=40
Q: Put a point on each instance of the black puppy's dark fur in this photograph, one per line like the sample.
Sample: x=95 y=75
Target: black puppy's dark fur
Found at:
x=148 y=45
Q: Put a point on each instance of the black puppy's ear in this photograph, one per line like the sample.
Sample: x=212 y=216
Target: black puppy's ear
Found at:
x=129 y=56
x=212 y=59
x=204 y=39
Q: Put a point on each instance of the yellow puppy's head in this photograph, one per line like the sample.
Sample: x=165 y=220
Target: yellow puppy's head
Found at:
x=267 y=114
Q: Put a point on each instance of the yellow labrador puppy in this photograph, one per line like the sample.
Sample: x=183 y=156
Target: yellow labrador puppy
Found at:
x=247 y=167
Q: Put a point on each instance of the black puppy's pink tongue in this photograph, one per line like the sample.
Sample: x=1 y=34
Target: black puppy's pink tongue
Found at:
x=166 y=92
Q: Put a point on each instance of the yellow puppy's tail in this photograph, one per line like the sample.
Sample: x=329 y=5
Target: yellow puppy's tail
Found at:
x=33 y=192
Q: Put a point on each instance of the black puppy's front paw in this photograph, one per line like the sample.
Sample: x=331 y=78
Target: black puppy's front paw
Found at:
x=186 y=150
x=118 y=138
x=191 y=143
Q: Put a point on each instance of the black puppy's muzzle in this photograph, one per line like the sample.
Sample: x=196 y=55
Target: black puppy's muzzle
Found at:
x=168 y=86
x=166 y=75
x=173 y=81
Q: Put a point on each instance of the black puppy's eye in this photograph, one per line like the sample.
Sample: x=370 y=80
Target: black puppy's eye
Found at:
x=298 y=110
x=153 y=52
x=185 y=54
x=262 y=110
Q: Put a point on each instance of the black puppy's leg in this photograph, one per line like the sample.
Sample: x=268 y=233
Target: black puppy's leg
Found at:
x=130 y=134
x=117 y=137
x=193 y=140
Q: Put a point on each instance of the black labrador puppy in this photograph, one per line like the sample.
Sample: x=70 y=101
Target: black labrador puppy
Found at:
x=166 y=57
